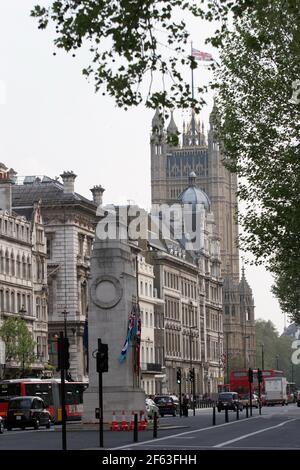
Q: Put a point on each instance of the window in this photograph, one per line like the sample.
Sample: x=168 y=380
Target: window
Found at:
x=151 y=319
x=80 y=244
x=38 y=308
x=49 y=248
x=146 y=320
x=12 y=265
x=7 y=262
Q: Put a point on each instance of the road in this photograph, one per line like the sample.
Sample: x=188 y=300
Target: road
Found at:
x=276 y=428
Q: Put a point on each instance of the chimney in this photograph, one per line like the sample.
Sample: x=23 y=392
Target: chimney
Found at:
x=97 y=192
x=68 y=178
x=7 y=179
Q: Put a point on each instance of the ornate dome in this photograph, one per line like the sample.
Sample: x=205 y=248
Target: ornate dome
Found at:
x=194 y=195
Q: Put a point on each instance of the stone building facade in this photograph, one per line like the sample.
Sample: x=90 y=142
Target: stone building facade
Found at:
x=23 y=274
x=69 y=221
x=148 y=302
x=189 y=326
x=170 y=166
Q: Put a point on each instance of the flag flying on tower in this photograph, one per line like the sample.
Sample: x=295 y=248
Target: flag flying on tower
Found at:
x=200 y=55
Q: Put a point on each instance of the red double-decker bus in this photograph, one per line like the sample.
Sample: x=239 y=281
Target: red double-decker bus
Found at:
x=239 y=380
x=49 y=390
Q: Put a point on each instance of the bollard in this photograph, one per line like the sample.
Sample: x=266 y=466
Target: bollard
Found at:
x=226 y=416
x=135 y=428
x=155 y=425
x=237 y=413
x=247 y=411
x=250 y=410
x=214 y=416
x=259 y=408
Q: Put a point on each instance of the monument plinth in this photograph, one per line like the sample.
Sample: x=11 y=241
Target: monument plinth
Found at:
x=113 y=287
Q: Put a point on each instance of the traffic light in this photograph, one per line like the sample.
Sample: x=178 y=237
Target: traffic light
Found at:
x=259 y=376
x=250 y=375
x=63 y=354
x=178 y=375
x=102 y=358
x=191 y=375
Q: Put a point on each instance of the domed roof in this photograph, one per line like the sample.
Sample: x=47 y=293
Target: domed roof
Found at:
x=194 y=195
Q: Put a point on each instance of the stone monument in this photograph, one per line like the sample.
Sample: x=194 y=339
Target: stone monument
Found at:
x=113 y=291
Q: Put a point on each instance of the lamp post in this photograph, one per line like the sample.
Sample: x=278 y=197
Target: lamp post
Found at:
x=192 y=370
x=262 y=357
x=245 y=354
x=65 y=313
x=22 y=312
x=277 y=361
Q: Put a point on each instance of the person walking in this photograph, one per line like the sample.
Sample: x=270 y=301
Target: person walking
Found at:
x=185 y=405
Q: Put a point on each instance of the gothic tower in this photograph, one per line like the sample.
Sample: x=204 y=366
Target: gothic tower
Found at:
x=171 y=163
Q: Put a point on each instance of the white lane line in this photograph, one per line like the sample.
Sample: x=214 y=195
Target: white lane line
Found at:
x=209 y=428
x=222 y=444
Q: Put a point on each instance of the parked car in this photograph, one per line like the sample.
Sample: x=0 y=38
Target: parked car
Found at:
x=151 y=408
x=229 y=401
x=1 y=425
x=27 y=411
x=245 y=400
x=166 y=405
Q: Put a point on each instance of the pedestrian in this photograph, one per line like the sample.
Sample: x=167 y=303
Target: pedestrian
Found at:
x=185 y=405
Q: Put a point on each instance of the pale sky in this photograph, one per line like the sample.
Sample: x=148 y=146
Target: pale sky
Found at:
x=51 y=120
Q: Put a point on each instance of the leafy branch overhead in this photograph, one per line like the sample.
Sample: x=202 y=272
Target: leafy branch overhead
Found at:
x=125 y=41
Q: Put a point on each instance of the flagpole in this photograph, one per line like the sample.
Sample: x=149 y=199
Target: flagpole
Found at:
x=193 y=97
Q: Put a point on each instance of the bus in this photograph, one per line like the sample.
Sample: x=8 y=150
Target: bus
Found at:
x=49 y=390
x=238 y=380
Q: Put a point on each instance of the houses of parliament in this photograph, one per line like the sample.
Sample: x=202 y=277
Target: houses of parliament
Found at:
x=172 y=161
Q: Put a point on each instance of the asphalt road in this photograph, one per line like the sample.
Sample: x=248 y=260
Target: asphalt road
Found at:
x=276 y=428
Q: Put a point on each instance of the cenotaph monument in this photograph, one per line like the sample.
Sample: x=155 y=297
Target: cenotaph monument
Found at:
x=112 y=314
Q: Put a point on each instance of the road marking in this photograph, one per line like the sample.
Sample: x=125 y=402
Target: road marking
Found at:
x=183 y=434
x=222 y=444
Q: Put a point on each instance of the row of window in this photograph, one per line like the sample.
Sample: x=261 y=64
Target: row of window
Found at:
x=12 y=228
x=19 y=266
x=17 y=302
x=190 y=346
x=146 y=289
x=172 y=308
x=147 y=319
x=147 y=354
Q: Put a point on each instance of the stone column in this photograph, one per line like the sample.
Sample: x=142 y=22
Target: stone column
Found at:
x=113 y=285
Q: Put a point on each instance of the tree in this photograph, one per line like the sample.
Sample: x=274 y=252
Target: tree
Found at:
x=275 y=345
x=19 y=344
x=257 y=85
x=259 y=125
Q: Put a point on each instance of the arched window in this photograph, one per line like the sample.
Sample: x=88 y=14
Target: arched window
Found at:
x=12 y=302
x=1 y=261
x=146 y=289
x=24 y=273
x=38 y=308
x=146 y=319
x=18 y=266
x=7 y=262
x=7 y=301
x=151 y=319
x=28 y=268
x=1 y=300
x=12 y=264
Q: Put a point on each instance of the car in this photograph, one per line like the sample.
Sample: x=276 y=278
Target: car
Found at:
x=166 y=405
x=27 y=411
x=1 y=425
x=229 y=401
x=245 y=400
x=151 y=408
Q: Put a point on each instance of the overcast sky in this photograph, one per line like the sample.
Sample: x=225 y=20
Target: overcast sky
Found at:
x=51 y=120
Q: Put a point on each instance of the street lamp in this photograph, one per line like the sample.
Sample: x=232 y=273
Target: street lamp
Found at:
x=192 y=370
x=262 y=357
x=245 y=356
x=22 y=312
x=277 y=362
x=65 y=313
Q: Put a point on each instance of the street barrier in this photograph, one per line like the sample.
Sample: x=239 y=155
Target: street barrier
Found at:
x=226 y=416
x=123 y=425
x=114 y=425
x=143 y=424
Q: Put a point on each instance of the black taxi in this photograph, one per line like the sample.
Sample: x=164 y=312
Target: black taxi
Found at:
x=25 y=412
